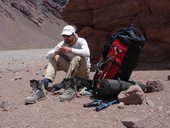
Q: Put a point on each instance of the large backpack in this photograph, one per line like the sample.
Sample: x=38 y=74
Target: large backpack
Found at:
x=119 y=56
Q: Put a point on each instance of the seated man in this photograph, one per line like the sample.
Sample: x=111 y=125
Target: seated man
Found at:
x=71 y=55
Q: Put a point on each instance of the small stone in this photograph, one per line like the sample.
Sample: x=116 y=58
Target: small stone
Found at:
x=121 y=105
x=37 y=73
x=4 y=105
x=160 y=108
x=168 y=113
x=16 y=73
x=150 y=103
x=132 y=122
x=18 y=78
x=168 y=78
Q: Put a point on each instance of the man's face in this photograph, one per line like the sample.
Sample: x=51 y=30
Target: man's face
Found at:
x=68 y=39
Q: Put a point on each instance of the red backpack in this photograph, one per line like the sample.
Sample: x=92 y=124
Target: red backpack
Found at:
x=120 y=56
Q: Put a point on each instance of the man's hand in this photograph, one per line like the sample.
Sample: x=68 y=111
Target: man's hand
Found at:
x=65 y=49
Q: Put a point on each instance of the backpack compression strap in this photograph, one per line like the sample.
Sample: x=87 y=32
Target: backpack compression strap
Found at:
x=110 y=61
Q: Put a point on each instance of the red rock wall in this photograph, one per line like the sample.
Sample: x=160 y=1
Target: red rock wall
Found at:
x=96 y=20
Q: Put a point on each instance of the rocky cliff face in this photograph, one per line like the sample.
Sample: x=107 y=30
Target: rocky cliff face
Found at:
x=96 y=20
x=30 y=24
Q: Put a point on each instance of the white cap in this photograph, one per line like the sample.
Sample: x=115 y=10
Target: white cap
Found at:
x=68 y=30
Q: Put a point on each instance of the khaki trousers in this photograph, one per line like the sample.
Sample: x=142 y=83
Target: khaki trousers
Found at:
x=76 y=67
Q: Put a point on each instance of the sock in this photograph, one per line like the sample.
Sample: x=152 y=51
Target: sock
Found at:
x=59 y=86
x=46 y=82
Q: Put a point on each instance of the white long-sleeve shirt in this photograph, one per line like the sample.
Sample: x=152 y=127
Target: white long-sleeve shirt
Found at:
x=80 y=48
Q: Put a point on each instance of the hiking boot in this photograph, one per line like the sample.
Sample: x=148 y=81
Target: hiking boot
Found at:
x=68 y=94
x=38 y=92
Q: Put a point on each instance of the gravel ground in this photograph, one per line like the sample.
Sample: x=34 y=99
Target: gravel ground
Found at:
x=18 y=67
x=31 y=57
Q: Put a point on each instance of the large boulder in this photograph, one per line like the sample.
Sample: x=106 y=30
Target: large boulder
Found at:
x=96 y=20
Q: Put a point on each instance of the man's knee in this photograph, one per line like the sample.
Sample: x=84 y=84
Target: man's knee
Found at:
x=54 y=59
x=57 y=57
x=76 y=59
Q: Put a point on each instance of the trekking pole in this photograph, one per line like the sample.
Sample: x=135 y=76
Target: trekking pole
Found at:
x=103 y=106
x=93 y=103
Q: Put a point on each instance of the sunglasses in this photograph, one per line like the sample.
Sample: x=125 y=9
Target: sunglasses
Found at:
x=66 y=36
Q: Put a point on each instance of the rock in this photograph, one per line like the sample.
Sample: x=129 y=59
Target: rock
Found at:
x=18 y=78
x=153 y=86
x=168 y=78
x=159 y=108
x=37 y=73
x=133 y=95
x=150 y=103
x=4 y=105
x=121 y=105
x=168 y=113
x=133 y=122
x=146 y=16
